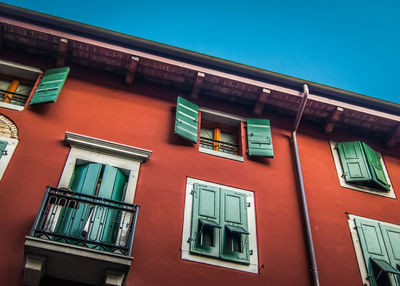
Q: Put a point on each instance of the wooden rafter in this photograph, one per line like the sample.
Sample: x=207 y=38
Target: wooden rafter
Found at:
x=332 y=119
x=262 y=99
x=394 y=136
x=131 y=72
x=62 y=52
x=197 y=84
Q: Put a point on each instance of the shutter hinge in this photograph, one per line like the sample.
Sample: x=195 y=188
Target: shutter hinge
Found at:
x=251 y=252
x=5 y=152
x=192 y=192
x=344 y=175
x=190 y=239
x=248 y=205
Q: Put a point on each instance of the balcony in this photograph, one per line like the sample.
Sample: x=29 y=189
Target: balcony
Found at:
x=80 y=238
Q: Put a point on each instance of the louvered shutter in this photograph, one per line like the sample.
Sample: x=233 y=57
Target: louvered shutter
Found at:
x=234 y=227
x=353 y=162
x=391 y=237
x=205 y=213
x=50 y=85
x=376 y=168
x=186 y=121
x=372 y=245
x=3 y=145
x=259 y=138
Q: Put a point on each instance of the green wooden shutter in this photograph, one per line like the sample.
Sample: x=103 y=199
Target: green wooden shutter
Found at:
x=186 y=121
x=205 y=215
x=259 y=138
x=234 y=225
x=376 y=168
x=353 y=162
x=391 y=237
x=50 y=85
x=3 y=145
x=372 y=245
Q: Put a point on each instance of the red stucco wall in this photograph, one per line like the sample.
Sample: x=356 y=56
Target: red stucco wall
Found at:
x=99 y=105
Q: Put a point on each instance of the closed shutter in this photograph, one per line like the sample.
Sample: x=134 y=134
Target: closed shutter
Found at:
x=205 y=227
x=50 y=85
x=376 y=168
x=259 y=138
x=391 y=237
x=186 y=121
x=3 y=145
x=372 y=245
x=353 y=162
x=234 y=227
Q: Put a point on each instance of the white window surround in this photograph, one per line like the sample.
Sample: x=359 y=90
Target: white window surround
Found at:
x=253 y=266
x=10 y=148
x=357 y=245
x=222 y=117
x=361 y=188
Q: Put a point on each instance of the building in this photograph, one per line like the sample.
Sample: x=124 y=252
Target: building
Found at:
x=95 y=124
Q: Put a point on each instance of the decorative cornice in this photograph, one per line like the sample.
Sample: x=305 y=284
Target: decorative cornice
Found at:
x=108 y=147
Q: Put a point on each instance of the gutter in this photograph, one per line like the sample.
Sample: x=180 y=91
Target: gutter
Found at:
x=199 y=59
x=303 y=199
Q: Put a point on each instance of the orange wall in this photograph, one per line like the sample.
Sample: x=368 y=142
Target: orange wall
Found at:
x=99 y=105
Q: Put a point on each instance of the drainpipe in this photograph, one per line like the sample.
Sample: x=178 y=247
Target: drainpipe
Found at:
x=303 y=200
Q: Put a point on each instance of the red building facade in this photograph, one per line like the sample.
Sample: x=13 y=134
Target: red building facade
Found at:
x=219 y=206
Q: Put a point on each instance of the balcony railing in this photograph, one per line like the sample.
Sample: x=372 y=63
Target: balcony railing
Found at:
x=219 y=145
x=13 y=97
x=88 y=221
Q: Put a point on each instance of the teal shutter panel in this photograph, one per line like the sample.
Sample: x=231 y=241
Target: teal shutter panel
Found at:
x=3 y=145
x=376 y=168
x=353 y=162
x=186 y=121
x=205 y=226
x=391 y=237
x=50 y=85
x=259 y=138
x=234 y=227
x=372 y=245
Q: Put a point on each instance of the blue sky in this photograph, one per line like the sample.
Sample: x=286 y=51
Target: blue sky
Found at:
x=353 y=45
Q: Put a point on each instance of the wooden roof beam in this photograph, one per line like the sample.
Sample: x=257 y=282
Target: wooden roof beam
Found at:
x=262 y=99
x=197 y=84
x=332 y=119
x=394 y=136
x=131 y=72
x=62 y=52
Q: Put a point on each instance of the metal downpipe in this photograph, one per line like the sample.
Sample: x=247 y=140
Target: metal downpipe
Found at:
x=303 y=200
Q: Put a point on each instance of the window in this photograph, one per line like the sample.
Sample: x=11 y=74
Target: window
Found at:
x=219 y=226
x=8 y=142
x=361 y=168
x=17 y=81
x=377 y=245
x=220 y=134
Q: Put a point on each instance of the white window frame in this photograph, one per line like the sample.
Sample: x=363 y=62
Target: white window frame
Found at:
x=10 y=148
x=357 y=245
x=220 y=117
x=187 y=219
x=343 y=183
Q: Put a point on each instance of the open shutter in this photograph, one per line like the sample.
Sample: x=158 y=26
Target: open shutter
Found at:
x=372 y=245
x=259 y=138
x=50 y=85
x=71 y=221
x=234 y=231
x=391 y=237
x=3 y=145
x=186 y=121
x=353 y=162
x=376 y=168
x=205 y=227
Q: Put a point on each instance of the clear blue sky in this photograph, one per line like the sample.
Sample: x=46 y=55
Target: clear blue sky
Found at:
x=353 y=45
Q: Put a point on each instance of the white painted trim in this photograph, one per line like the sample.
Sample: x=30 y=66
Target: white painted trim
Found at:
x=19 y=66
x=108 y=147
x=11 y=106
x=253 y=266
x=221 y=154
x=221 y=114
x=343 y=183
x=10 y=148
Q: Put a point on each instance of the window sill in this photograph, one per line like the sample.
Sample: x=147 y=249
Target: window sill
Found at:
x=11 y=106
x=221 y=154
x=360 y=188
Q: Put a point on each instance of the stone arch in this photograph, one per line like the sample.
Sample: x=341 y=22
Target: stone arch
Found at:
x=8 y=128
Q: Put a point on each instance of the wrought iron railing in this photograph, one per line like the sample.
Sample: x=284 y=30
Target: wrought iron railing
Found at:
x=219 y=145
x=13 y=97
x=93 y=222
